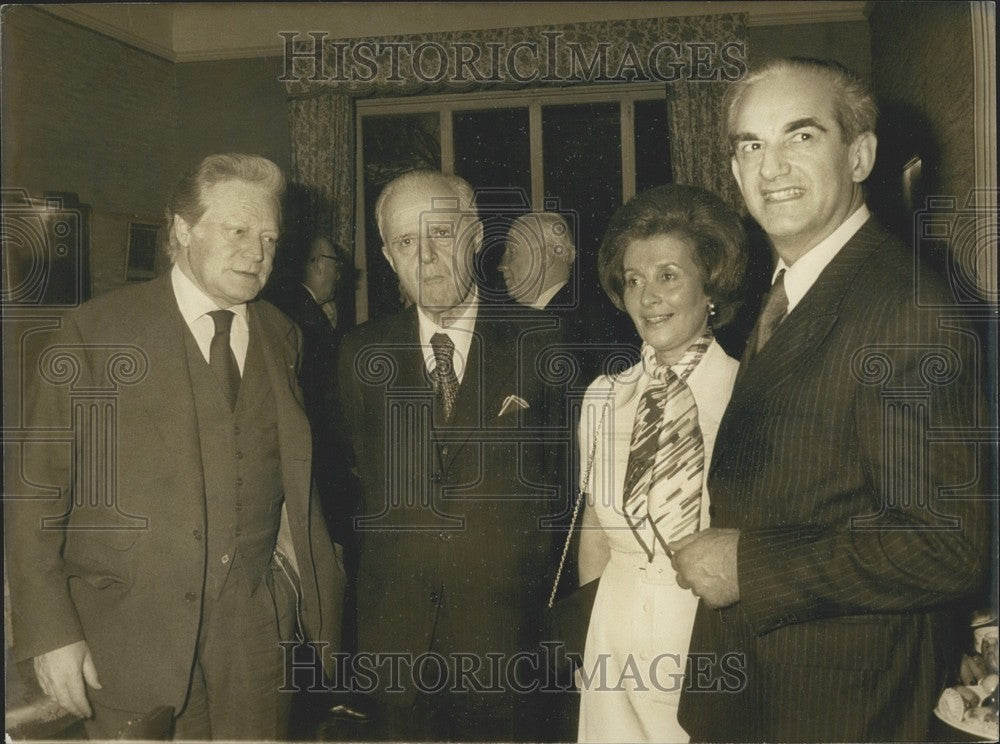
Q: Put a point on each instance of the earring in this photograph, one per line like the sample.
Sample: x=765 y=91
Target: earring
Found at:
x=711 y=308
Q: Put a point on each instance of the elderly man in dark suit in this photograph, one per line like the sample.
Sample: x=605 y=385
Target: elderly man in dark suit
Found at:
x=538 y=261
x=447 y=415
x=171 y=575
x=538 y=270
x=841 y=533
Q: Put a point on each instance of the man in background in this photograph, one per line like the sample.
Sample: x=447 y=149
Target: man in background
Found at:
x=308 y=294
x=843 y=532
x=538 y=270
x=170 y=574
x=538 y=261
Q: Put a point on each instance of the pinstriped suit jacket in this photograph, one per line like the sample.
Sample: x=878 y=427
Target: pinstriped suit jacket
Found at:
x=842 y=460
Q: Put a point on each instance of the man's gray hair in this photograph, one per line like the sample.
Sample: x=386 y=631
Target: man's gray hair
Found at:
x=187 y=200
x=853 y=102
x=554 y=228
x=425 y=180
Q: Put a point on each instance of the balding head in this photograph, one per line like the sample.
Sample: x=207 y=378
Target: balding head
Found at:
x=430 y=234
x=539 y=255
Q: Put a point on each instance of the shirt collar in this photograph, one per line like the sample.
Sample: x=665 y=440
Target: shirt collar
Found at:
x=311 y=293
x=684 y=366
x=192 y=302
x=800 y=276
x=545 y=297
x=460 y=332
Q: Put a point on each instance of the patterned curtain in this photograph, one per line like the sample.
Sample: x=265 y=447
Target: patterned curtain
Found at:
x=322 y=132
x=698 y=152
x=687 y=53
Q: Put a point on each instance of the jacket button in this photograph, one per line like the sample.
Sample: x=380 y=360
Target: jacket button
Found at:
x=197 y=534
x=436 y=477
x=444 y=536
x=190 y=596
x=435 y=597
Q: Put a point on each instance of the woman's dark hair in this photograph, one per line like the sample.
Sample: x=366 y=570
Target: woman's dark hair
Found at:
x=699 y=216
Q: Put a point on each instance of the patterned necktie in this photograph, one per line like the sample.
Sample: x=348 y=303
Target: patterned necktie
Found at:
x=775 y=308
x=663 y=479
x=221 y=358
x=444 y=377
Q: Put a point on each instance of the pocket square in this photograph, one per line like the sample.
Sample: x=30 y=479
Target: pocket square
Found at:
x=513 y=402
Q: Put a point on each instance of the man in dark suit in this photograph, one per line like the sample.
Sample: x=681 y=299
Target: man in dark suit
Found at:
x=847 y=516
x=538 y=260
x=307 y=293
x=538 y=270
x=176 y=544
x=446 y=412
x=308 y=297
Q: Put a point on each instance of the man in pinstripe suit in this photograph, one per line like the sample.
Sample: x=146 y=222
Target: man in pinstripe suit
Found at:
x=845 y=526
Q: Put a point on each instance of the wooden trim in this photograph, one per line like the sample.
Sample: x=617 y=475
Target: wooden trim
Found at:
x=507 y=99
x=984 y=55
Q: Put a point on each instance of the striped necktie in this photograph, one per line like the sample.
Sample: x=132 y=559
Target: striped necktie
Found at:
x=663 y=478
x=775 y=309
x=444 y=377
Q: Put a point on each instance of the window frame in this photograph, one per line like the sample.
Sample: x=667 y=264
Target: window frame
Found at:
x=445 y=105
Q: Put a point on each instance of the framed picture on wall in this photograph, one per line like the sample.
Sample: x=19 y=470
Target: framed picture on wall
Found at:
x=140 y=261
x=46 y=249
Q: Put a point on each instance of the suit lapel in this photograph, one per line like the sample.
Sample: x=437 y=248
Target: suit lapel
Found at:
x=166 y=393
x=412 y=371
x=278 y=351
x=485 y=383
x=796 y=339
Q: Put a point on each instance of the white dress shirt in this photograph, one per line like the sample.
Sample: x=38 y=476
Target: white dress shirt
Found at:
x=195 y=306
x=801 y=275
x=460 y=333
x=544 y=298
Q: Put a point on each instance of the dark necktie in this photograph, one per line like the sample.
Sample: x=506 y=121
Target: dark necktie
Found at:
x=775 y=308
x=444 y=377
x=221 y=358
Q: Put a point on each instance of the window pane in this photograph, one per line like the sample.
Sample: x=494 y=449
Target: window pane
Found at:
x=392 y=145
x=581 y=146
x=493 y=153
x=652 y=145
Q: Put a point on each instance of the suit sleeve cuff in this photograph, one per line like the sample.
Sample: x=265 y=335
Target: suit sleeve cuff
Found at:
x=773 y=568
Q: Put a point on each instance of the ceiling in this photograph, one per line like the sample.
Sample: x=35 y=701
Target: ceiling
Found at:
x=188 y=32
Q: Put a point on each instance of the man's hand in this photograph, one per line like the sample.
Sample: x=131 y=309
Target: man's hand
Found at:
x=61 y=674
x=706 y=564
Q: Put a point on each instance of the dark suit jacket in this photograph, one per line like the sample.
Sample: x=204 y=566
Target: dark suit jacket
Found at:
x=589 y=336
x=838 y=461
x=127 y=573
x=319 y=339
x=456 y=553
x=317 y=373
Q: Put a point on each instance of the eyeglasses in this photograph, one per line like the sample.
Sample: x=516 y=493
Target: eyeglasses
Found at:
x=336 y=259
